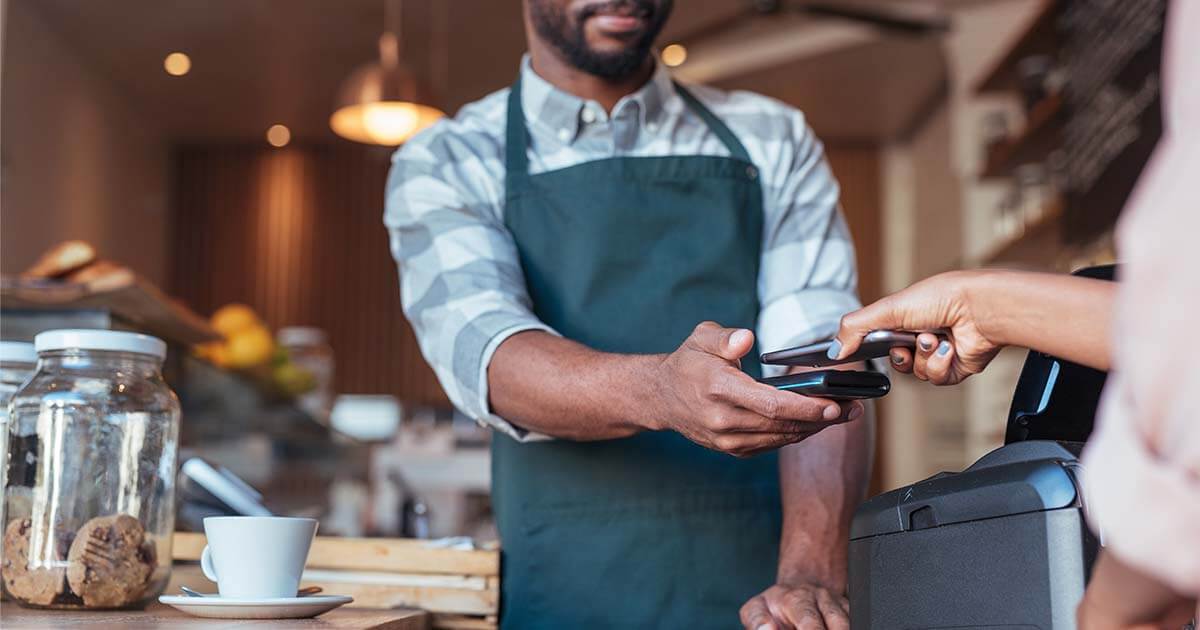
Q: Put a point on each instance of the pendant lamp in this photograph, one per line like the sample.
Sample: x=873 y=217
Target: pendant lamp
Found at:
x=383 y=102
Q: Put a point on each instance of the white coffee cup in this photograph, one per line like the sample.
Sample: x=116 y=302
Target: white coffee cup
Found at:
x=256 y=557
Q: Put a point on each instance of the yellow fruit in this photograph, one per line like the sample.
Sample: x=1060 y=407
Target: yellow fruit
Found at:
x=220 y=356
x=293 y=379
x=214 y=352
x=234 y=318
x=250 y=347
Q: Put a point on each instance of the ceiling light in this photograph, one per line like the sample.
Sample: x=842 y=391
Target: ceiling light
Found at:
x=383 y=102
x=674 y=55
x=279 y=135
x=177 y=64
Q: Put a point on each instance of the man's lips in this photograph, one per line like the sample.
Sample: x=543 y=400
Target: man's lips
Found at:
x=612 y=23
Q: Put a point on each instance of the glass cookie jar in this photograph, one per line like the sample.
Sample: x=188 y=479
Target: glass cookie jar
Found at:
x=90 y=491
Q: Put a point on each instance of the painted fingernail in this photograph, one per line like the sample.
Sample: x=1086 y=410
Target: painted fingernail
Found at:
x=855 y=412
x=943 y=348
x=897 y=359
x=832 y=412
x=926 y=345
x=835 y=349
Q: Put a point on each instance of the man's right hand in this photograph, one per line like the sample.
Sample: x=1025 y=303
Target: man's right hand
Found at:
x=701 y=393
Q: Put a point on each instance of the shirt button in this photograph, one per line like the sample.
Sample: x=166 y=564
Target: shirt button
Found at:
x=564 y=134
x=588 y=116
x=652 y=127
x=751 y=172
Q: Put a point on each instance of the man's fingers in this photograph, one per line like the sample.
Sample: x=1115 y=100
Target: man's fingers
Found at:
x=799 y=608
x=730 y=344
x=773 y=404
x=855 y=325
x=736 y=420
x=755 y=616
x=750 y=444
x=837 y=617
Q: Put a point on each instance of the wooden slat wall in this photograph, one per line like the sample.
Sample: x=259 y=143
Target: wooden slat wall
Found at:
x=297 y=233
x=857 y=169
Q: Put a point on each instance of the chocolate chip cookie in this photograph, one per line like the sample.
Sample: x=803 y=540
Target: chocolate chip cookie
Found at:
x=110 y=562
x=34 y=585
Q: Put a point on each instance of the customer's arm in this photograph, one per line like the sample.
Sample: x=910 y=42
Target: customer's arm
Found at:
x=967 y=316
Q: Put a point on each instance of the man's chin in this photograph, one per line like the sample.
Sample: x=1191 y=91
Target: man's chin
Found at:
x=609 y=43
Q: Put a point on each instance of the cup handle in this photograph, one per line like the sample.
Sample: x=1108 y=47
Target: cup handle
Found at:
x=206 y=564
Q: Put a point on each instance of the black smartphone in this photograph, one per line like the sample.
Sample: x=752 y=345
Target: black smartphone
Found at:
x=876 y=344
x=833 y=384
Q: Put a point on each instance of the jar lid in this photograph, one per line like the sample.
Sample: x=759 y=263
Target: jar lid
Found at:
x=84 y=339
x=17 y=352
x=300 y=336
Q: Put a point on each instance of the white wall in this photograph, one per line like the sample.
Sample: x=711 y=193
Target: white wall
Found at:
x=76 y=158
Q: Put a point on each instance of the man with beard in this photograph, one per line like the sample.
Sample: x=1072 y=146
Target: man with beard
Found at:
x=565 y=247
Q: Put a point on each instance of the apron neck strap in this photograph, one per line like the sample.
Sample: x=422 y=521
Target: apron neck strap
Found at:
x=516 y=145
x=732 y=144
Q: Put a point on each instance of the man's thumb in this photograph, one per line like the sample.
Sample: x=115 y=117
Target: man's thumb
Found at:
x=730 y=344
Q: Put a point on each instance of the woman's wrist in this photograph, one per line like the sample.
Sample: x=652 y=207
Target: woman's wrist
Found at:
x=989 y=295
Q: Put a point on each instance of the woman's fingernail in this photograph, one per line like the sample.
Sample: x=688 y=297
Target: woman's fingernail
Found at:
x=855 y=412
x=766 y=626
x=926 y=345
x=897 y=359
x=835 y=349
x=832 y=412
x=943 y=348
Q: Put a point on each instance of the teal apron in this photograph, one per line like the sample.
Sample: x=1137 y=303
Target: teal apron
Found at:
x=652 y=531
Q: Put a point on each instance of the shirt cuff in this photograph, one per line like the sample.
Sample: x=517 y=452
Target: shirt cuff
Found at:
x=489 y=418
x=802 y=318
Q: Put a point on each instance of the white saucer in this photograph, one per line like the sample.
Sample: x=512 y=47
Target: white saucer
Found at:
x=218 y=607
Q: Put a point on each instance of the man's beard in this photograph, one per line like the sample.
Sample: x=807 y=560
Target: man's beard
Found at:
x=569 y=40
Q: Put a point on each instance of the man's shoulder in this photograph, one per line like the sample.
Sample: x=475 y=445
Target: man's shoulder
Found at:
x=753 y=115
x=476 y=130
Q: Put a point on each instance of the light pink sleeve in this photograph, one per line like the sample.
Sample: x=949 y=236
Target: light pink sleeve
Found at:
x=1143 y=463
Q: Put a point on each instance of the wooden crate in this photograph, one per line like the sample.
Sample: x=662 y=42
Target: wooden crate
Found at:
x=461 y=587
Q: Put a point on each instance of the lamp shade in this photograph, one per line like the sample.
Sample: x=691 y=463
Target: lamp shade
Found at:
x=381 y=104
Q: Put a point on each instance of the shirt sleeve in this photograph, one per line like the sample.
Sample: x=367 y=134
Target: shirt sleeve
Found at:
x=461 y=284
x=808 y=278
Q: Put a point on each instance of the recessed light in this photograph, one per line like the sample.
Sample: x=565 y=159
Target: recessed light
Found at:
x=674 y=55
x=279 y=135
x=177 y=64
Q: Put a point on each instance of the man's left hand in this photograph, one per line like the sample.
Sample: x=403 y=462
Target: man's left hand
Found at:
x=800 y=605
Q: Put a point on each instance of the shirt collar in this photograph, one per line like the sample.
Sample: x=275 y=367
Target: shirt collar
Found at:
x=559 y=112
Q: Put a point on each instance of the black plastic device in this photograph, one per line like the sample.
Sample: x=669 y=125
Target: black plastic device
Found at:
x=833 y=384
x=1002 y=545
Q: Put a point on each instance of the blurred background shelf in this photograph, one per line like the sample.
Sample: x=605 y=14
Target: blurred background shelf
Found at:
x=1040 y=136
x=1039 y=37
x=1037 y=246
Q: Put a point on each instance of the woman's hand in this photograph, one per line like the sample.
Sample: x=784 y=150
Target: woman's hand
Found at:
x=953 y=342
x=1120 y=597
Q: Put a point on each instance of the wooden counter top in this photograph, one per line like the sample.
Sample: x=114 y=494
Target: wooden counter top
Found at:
x=162 y=616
